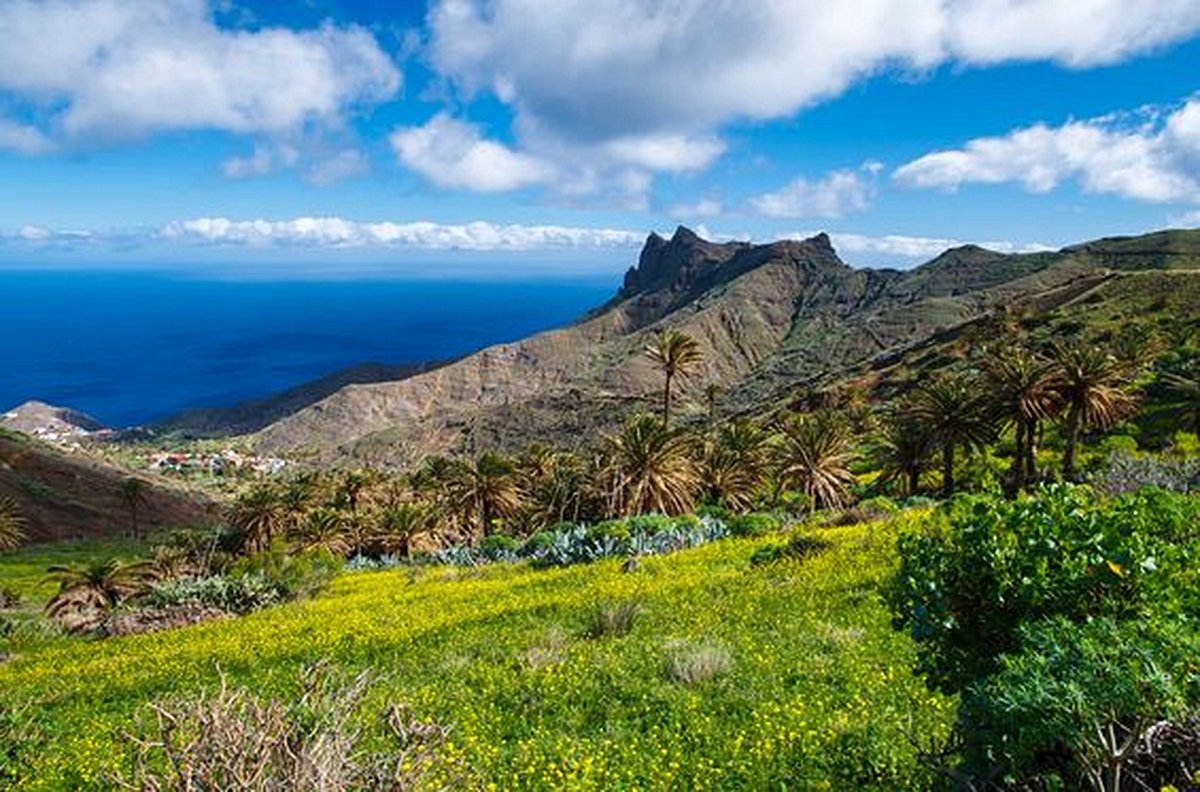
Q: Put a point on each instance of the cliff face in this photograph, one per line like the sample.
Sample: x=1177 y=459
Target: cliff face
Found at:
x=770 y=319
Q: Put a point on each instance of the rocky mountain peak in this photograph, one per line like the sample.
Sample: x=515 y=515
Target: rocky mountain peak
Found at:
x=671 y=264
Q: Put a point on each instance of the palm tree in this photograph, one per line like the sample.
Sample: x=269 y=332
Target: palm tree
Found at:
x=676 y=354
x=1186 y=388
x=12 y=526
x=1091 y=388
x=952 y=410
x=1024 y=388
x=652 y=467
x=815 y=455
x=397 y=523
x=95 y=587
x=350 y=489
x=325 y=528
x=712 y=392
x=486 y=490
x=903 y=451
x=259 y=516
x=133 y=493
x=553 y=484
x=735 y=463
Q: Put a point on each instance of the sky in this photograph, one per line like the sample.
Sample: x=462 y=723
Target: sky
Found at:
x=458 y=137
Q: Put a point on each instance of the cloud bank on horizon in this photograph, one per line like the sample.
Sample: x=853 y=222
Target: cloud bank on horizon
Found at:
x=563 y=124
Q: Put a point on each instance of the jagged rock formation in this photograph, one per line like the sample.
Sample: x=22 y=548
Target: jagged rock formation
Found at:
x=770 y=319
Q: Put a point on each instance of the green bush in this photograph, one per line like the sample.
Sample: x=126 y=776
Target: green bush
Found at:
x=499 y=545
x=986 y=566
x=538 y=542
x=610 y=529
x=797 y=548
x=1086 y=690
x=1067 y=624
x=753 y=525
x=293 y=575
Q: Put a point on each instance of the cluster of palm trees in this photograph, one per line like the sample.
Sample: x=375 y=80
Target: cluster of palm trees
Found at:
x=654 y=465
x=1075 y=385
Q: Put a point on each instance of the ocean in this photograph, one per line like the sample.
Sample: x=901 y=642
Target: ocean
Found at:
x=132 y=348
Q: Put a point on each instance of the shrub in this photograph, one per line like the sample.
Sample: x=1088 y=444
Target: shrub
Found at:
x=713 y=510
x=985 y=566
x=294 y=575
x=797 y=548
x=234 y=740
x=538 y=543
x=499 y=547
x=9 y=598
x=694 y=664
x=241 y=594
x=753 y=525
x=612 y=619
x=1067 y=623
x=619 y=530
x=1088 y=690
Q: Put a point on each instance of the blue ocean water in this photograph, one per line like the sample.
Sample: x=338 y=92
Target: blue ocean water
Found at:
x=131 y=348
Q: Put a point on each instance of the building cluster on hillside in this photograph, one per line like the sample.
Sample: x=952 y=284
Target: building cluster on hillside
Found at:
x=219 y=463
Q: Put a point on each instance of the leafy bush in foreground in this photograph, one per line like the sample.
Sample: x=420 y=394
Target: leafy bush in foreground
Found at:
x=1068 y=624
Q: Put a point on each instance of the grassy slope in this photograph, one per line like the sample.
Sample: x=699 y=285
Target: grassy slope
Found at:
x=820 y=684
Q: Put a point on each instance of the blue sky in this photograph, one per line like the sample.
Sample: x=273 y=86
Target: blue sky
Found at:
x=551 y=135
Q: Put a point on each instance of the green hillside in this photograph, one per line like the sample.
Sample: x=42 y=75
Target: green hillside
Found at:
x=810 y=686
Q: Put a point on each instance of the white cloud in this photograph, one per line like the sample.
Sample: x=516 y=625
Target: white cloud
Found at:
x=707 y=207
x=915 y=247
x=603 y=70
x=23 y=139
x=666 y=152
x=1156 y=160
x=452 y=153
x=837 y=194
x=326 y=232
x=97 y=71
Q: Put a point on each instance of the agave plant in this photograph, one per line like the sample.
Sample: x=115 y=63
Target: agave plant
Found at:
x=814 y=455
x=652 y=466
x=12 y=526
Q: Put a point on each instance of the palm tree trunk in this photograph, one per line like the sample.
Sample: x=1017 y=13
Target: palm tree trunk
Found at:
x=947 y=470
x=1074 y=421
x=667 y=401
x=1035 y=433
x=914 y=479
x=1017 y=471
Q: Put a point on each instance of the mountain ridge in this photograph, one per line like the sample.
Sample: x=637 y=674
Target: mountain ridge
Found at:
x=768 y=317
